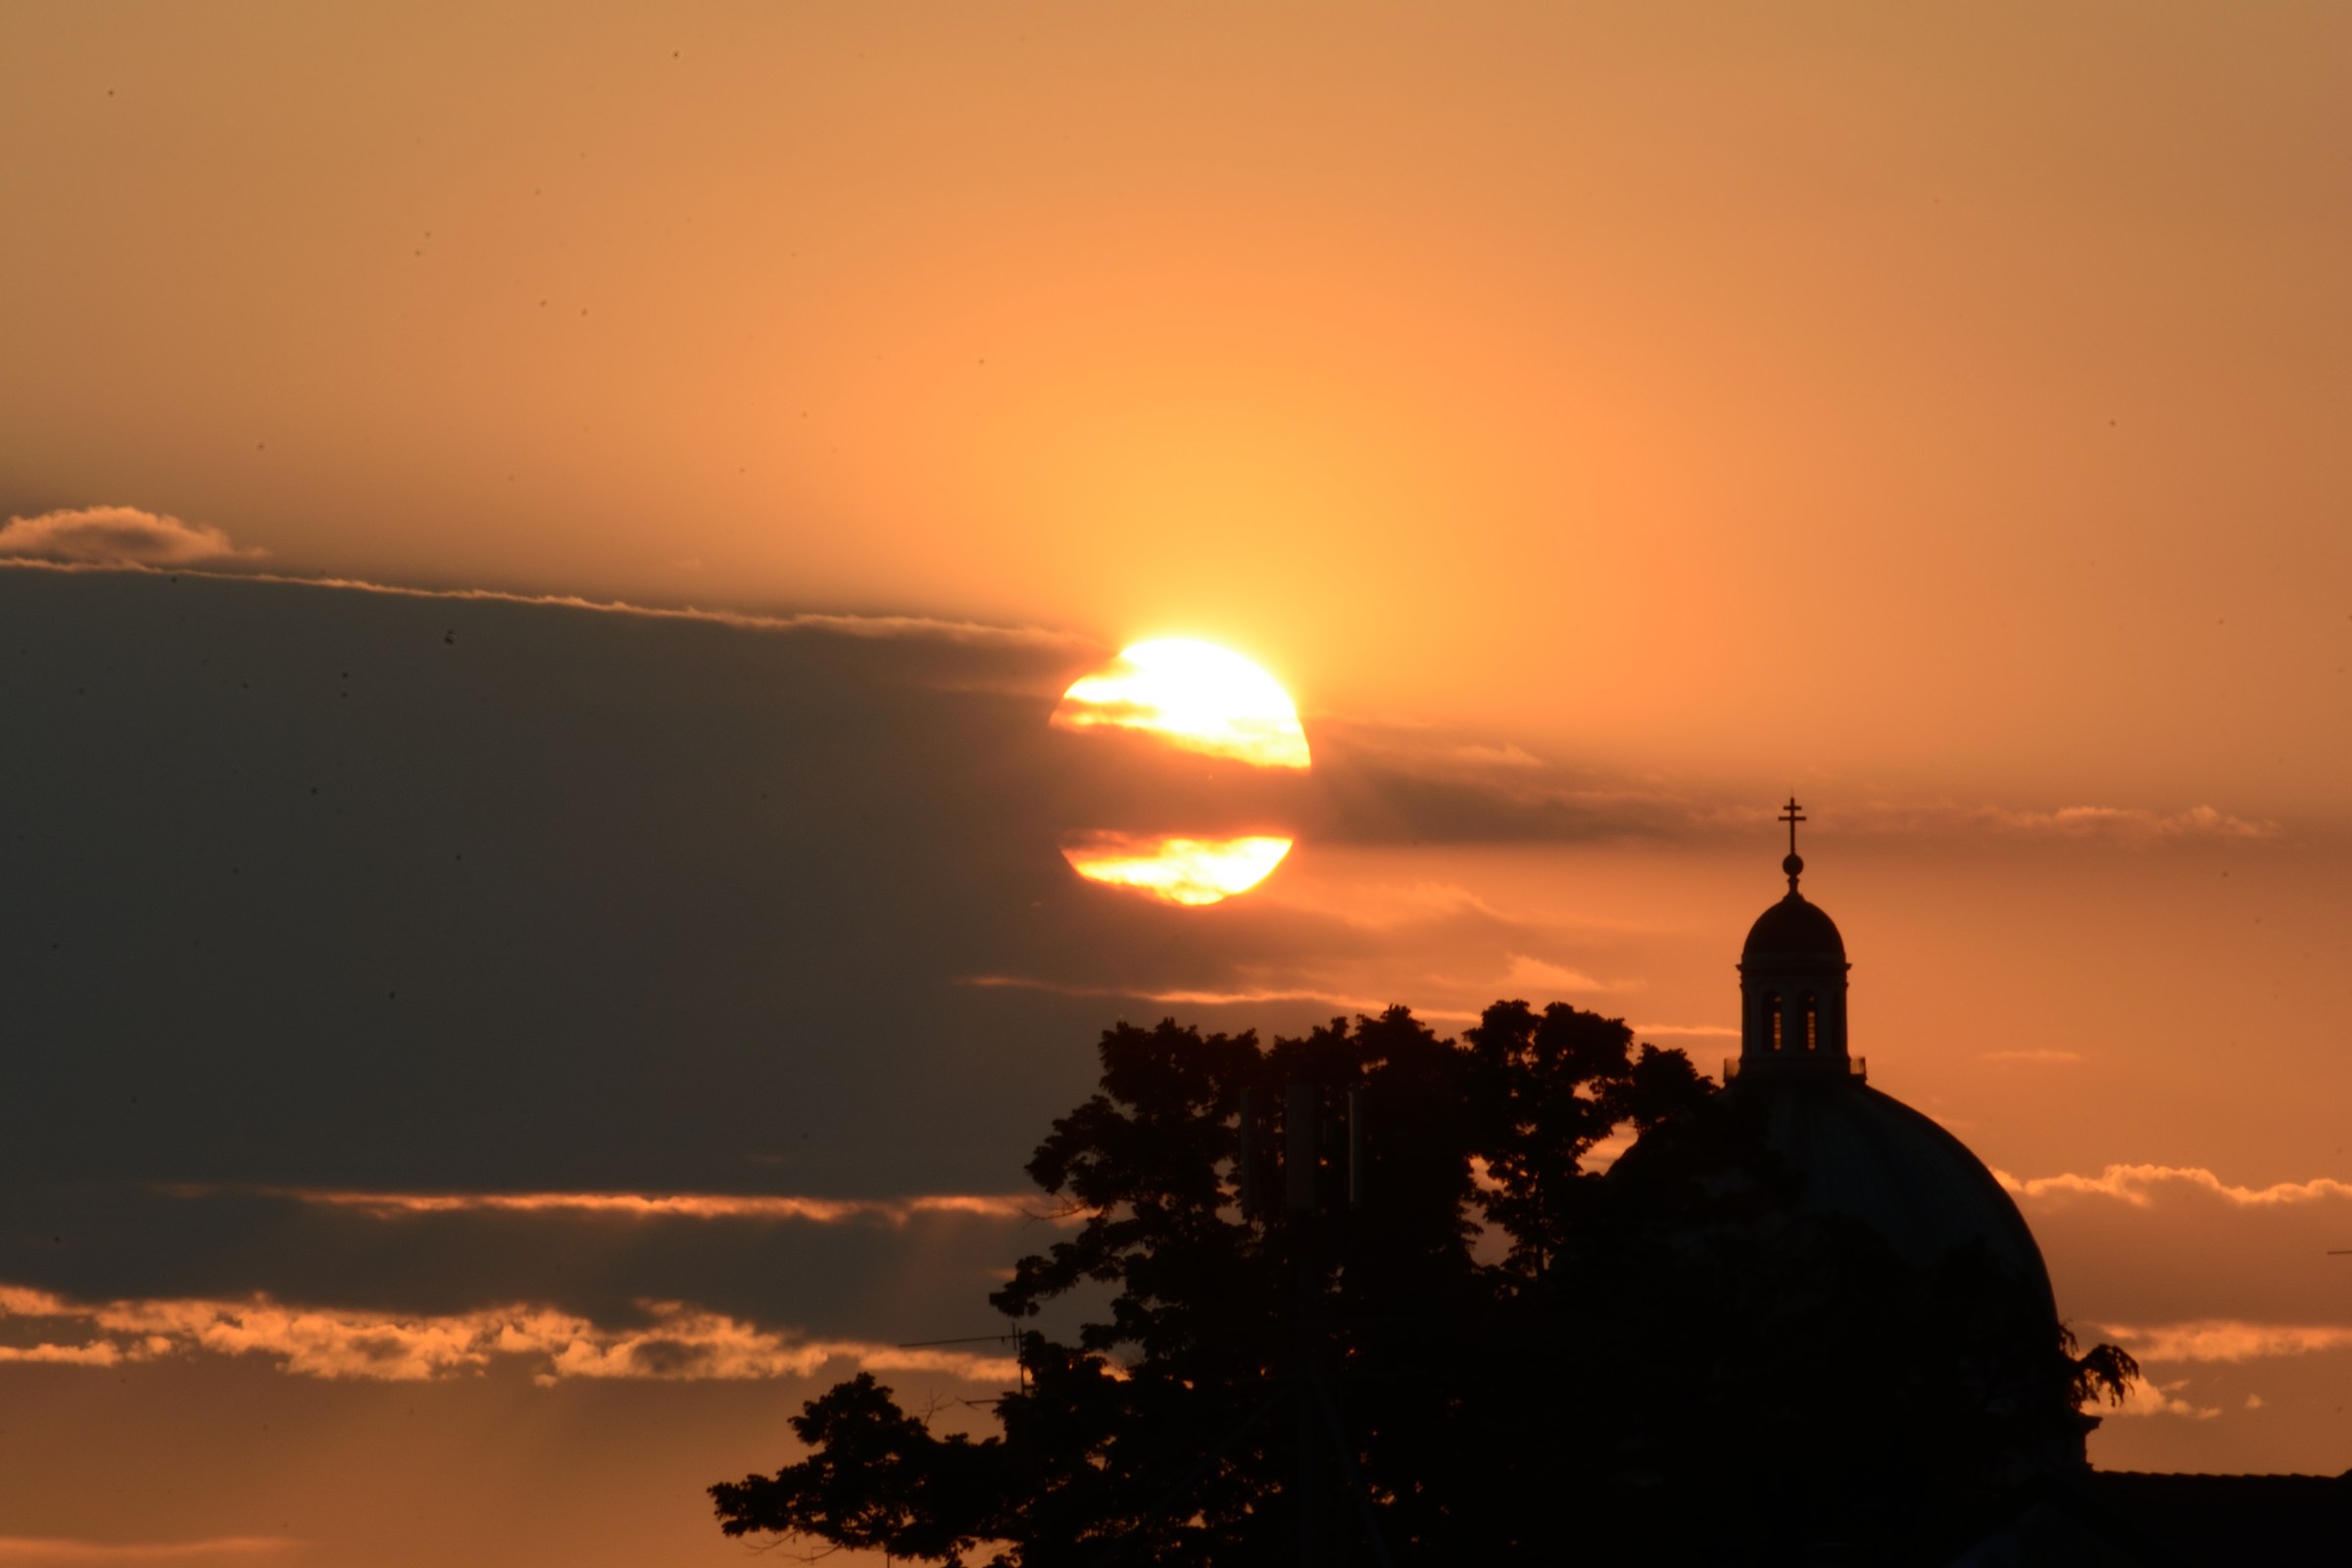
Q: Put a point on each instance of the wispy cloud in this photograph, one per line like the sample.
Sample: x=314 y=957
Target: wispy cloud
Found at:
x=1559 y=979
x=1209 y=998
x=98 y=1352
x=1387 y=783
x=2125 y=823
x=676 y=1341
x=1564 y=980
x=114 y=536
x=1393 y=784
x=2227 y=1340
x=890 y=1211
x=2139 y=1185
x=874 y=626
x=1391 y=906
x=52 y=1551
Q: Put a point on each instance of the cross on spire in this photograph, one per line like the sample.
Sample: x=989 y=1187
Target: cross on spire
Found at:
x=1791 y=817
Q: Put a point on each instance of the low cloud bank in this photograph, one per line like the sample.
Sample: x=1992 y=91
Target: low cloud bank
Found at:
x=2129 y=823
x=116 y=536
x=144 y=541
x=895 y=1214
x=676 y=1341
x=2227 y=1340
x=2142 y=1185
x=1395 y=784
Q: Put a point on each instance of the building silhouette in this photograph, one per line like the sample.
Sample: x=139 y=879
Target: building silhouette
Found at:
x=1852 y=1152
x=1859 y=1151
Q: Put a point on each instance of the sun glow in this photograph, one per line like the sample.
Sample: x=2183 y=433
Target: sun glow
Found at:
x=1193 y=695
x=1176 y=870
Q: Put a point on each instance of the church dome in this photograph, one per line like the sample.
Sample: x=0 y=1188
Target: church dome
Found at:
x=1850 y=1149
x=1864 y=1155
x=1772 y=1178
x=1795 y=930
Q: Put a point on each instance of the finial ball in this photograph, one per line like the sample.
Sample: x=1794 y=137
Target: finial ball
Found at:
x=1794 y=866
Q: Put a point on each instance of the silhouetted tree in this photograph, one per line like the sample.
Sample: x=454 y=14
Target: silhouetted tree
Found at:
x=1521 y=1354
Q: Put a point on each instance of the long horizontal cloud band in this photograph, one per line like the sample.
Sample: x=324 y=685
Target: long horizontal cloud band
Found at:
x=676 y=1341
x=367 y=1247
x=893 y=1212
x=2141 y=1186
x=898 y=1268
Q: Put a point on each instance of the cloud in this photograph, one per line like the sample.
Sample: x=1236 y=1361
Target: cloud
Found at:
x=1539 y=974
x=16 y=1301
x=1395 y=783
x=1389 y=906
x=2125 y=824
x=116 y=536
x=1380 y=784
x=50 y=1551
x=2197 y=821
x=2150 y=1398
x=1209 y=998
x=886 y=1267
x=894 y=1212
x=99 y=1352
x=2138 y=1185
x=970 y=633
x=2227 y=1340
x=550 y=834
x=2155 y=1244
x=676 y=1341
x=2043 y=1058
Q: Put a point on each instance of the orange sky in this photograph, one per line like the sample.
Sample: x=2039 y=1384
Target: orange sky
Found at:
x=1614 y=375
x=1603 y=420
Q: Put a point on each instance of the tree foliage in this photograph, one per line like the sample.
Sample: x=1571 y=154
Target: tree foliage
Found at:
x=1514 y=1352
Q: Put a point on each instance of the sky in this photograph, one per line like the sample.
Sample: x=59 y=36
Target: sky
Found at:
x=544 y=546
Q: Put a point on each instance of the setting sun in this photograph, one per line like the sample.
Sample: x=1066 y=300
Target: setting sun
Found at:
x=1198 y=698
x=1193 y=695
x=1179 y=870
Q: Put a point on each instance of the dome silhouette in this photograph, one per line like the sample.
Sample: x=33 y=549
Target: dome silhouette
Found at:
x=1847 y=1149
x=1794 y=930
x=1865 y=1155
